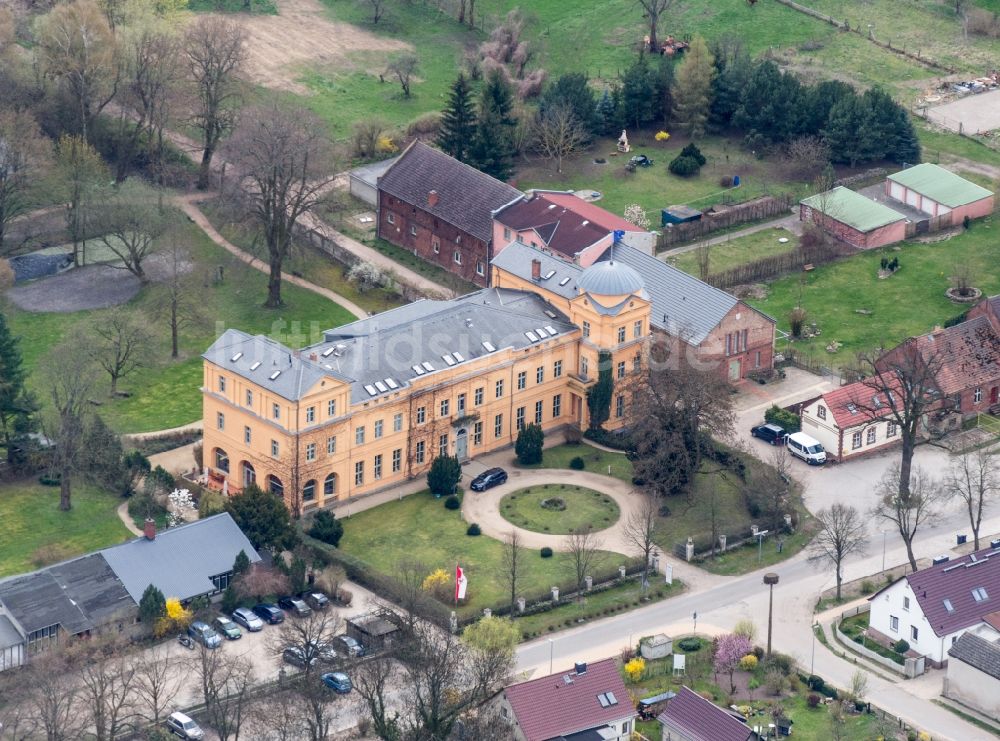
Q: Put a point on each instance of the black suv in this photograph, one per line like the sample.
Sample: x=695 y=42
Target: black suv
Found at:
x=269 y=614
x=488 y=479
x=769 y=433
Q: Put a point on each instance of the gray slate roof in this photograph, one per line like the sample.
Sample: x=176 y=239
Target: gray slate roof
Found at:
x=75 y=594
x=370 y=173
x=977 y=652
x=181 y=560
x=466 y=196
x=516 y=258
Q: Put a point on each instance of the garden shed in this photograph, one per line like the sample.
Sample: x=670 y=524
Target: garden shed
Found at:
x=852 y=218
x=371 y=631
x=679 y=215
x=939 y=192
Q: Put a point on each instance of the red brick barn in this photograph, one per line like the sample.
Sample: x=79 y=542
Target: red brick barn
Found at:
x=854 y=219
x=939 y=192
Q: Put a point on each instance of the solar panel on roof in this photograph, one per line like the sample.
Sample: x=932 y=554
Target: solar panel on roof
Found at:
x=488 y=346
x=448 y=359
x=274 y=375
x=458 y=357
x=381 y=386
x=371 y=390
x=255 y=366
x=418 y=370
x=427 y=366
x=236 y=357
x=391 y=383
x=531 y=336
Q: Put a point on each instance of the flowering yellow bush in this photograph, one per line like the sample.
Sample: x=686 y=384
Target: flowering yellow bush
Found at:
x=748 y=663
x=661 y=136
x=923 y=736
x=178 y=618
x=385 y=145
x=635 y=669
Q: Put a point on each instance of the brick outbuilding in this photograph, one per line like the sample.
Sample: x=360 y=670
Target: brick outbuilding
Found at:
x=939 y=192
x=852 y=218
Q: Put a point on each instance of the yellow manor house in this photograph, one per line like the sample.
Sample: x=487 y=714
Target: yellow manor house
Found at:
x=374 y=402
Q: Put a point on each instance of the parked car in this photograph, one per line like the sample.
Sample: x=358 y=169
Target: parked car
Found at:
x=488 y=479
x=350 y=646
x=295 y=606
x=245 y=616
x=183 y=726
x=316 y=600
x=269 y=613
x=227 y=627
x=322 y=651
x=807 y=448
x=769 y=433
x=294 y=655
x=203 y=633
x=338 y=682
x=640 y=160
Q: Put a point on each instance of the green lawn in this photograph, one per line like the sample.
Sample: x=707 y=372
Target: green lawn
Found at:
x=166 y=392
x=910 y=302
x=738 y=251
x=418 y=529
x=261 y=7
x=31 y=520
x=594 y=459
x=755 y=556
x=571 y=508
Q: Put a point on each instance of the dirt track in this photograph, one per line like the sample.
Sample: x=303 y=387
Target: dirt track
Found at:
x=300 y=36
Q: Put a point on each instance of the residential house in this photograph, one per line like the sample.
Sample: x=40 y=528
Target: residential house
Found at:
x=589 y=703
x=441 y=210
x=375 y=401
x=938 y=192
x=708 y=326
x=851 y=420
x=690 y=717
x=974 y=674
x=853 y=218
x=565 y=225
x=931 y=608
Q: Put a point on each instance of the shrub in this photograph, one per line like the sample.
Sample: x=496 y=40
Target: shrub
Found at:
x=782 y=663
x=726 y=181
x=577 y=463
x=812 y=700
x=210 y=503
x=796 y=319
x=327 y=528
x=452 y=502
x=546 y=552
x=788 y=421
x=775 y=682
x=162 y=478
x=428 y=123
x=473 y=529
x=689 y=645
x=684 y=166
x=438 y=583
x=692 y=151
x=444 y=475
x=635 y=669
x=815 y=682
x=49 y=479
x=529 y=445
x=901 y=646
x=230 y=599
x=867 y=587
x=748 y=663
x=746 y=628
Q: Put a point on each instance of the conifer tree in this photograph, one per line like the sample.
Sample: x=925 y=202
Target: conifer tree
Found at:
x=693 y=88
x=16 y=403
x=458 y=121
x=493 y=145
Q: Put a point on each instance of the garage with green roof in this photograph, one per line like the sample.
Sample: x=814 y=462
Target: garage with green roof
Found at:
x=853 y=218
x=938 y=192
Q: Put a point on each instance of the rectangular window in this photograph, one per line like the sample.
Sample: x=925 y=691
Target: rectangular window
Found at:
x=359 y=473
x=445 y=407
x=519 y=419
x=637 y=329
x=894 y=623
x=977 y=395
x=855 y=441
x=890 y=429
x=636 y=364
x=247 y=435
x=359 y=435
x=478 y=396
x=419 y=451
x=274 y=449
x=220 y=420
x=821 y=411
x=557 y=369
x=621 y=370
x=397 y=460
x=377 y=467
x=310 y=451
x=522 y=380
x=914 y=633
x=586 y=329
x=906 y=603
x=378 y=429
x=443 y=444
x=556 y=406
x=413 y=231
x=619 y=406
x=390 y=217
x=397 y=423
x=506 y=233
x=310 y=415
x=729 y=344
x=498 y=426
x=540 y=374
x=331 y=408
x=480 y=268
x=276 y=411
x=436 y=246
x=460 y=404
x=477 y=433
x=222 y=384
x=458 y=257
x=499 y=389
x=249 y=398
x=331 y=445
x=621 y=334
x=584 y=367
x=744 y=343
x=871 y=436
x=538 y=412
x=756 y=360
x=421 y=415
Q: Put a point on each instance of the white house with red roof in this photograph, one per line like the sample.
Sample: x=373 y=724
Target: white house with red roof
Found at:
x=690 y=717
x=589 y=703
x=850 y=421
x=931 y=608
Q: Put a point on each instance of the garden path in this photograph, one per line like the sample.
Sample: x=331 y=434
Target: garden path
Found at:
x=126 y=518
x=790 y=222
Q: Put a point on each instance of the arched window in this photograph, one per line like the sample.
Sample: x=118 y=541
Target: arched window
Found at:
x=249 y=475
x=330 y=485
x=221 y=460
x=309 y=491
x=275 y=486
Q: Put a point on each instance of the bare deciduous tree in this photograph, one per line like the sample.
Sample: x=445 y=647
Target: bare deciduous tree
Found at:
x=640 y=529
x=558 y=133
x=130 y=222
x=81 y=171
x=119 y=342
x=403 y=67
x=584 y=554
x=180 y=302
x=842 y=534
x=54 y=696
x=284 y=161
x=156 y=683
x=973 y=478
x=215 y=52
x=372 y=681
x=225 y=680
x=24 y=157
x=510 y=565
x=67 y=416
x=653 y=9
x=908 y=505
x=377 y=7
x=107 y=677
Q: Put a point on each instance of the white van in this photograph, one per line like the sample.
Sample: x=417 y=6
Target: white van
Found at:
x=183 y=726
x=807 y=448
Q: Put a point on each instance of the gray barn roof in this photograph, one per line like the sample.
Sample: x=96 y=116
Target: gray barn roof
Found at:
x=180 y=561
x=370 y=173
x=978 y=653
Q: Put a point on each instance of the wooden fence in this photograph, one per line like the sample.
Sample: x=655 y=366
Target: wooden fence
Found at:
x=722 y=217
x=771 y=267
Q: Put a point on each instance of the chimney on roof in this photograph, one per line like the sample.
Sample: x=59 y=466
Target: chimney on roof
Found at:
x=580 y=667
x=149 y=529
x=938 y=329
x=432 y=198
x=536 y=269
x=313 y=357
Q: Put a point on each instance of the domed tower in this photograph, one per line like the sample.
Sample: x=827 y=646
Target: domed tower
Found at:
x=610 y=283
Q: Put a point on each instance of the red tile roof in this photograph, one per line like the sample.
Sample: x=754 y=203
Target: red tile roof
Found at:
x=700 y=720
x=993 y=620
x=969 y=354
x=855 y=404
x=560 y=228
x=955 y=581
x=551 y=706
x=589 y=211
